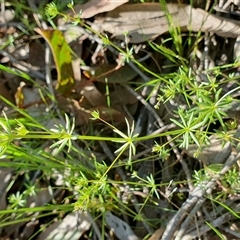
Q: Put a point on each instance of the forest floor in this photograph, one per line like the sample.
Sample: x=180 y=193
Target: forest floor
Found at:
x=120 y=120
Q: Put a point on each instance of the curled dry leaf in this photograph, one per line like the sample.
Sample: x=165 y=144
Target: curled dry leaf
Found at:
x=93 y=7
x=146 y=21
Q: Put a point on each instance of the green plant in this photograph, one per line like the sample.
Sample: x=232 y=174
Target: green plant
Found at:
x=91 y=180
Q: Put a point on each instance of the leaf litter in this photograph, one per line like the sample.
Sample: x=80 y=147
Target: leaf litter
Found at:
x=102 y=80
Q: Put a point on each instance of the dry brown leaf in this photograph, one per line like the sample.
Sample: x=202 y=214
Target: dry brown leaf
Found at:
x=92 y=94
x=5 y=178
x=72 y=106
x=157 y=234
x=110 y=114
x=4 y=92
x=12 y=80
x=119 y=227
x=81 y=110
x=114 y=74
x=93 y=7
x=36 y=55
x=122 y=97
x=146 y=21
x=71 y=227
x=29 y=229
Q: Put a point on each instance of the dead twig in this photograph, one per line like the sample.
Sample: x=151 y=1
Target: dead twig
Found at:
x=195 y=199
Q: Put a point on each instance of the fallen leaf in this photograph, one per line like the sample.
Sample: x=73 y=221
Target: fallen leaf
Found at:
x=113 y=74
x=62 y=57
x=93 y=7
x=119 y=227
x=71 y=227
x=92 y=94
x=122 y=97
x=36 y=55
x=110 y=114
x=146 y=21
x=157 y=234
x=29 y=229
x=5 y=178
x=4 y=92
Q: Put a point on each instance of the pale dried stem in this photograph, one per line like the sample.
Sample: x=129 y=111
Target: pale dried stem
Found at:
x=195 y=199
